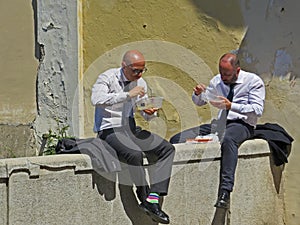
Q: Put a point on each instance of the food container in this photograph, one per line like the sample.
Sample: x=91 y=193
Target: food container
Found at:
x=147 y=103
x=203 y=139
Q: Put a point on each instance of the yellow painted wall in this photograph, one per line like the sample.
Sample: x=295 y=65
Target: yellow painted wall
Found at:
x=17 y=62
x=200 y=27
x=205 y=28
x=192 y=24
x=18 y=70
x=208 y=29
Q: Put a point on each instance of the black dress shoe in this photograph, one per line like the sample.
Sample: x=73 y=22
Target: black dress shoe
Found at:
x=155 y=212
x=223 y=200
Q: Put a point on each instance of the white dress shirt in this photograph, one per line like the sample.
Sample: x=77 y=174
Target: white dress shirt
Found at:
x=109 y=99
x=248 y=99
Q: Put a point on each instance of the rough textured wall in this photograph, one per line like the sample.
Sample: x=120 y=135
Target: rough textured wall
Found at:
x=38 y=189
x=271 y=47
x=18 y=76
x=109 y=24
x=265 y=32
x=178 y=29
x=57 y=82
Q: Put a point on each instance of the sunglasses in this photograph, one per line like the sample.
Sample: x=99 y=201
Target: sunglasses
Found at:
x=137 y=71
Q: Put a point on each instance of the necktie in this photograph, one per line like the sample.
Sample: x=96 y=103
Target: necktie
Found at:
x=231 y=92
x=220 y=124
x=126 y=85
x=224 y=112
x=128 y=105
x=127 y=116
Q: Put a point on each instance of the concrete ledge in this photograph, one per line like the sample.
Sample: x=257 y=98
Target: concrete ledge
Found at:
x=33 y=164
x=63 y=189
x=211 y=150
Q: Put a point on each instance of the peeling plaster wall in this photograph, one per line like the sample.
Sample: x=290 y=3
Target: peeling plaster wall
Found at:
x=265 y=32
x=57 y=82
x=271 y=47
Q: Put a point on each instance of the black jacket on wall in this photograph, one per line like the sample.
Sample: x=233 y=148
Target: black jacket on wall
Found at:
x=280 y=142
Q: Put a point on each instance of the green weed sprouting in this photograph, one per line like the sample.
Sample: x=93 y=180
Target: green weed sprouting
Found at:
x=52 y=137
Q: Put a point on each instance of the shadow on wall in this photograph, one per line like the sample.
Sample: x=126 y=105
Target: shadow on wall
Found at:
x=37 y=52
x=222 y=11
x=271 y=44
x=106 y=187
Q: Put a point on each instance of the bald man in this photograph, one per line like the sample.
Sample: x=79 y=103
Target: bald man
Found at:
x=239 y=96
x=114 y=96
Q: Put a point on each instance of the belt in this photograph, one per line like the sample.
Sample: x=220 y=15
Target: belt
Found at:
x=240 y=121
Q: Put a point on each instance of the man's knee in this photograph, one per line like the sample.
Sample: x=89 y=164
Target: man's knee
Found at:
x=227 y=140
x=168 y=151
x=175 y=139
x=135 y=158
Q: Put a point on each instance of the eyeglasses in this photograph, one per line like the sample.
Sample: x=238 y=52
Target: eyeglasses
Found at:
x=137 y=71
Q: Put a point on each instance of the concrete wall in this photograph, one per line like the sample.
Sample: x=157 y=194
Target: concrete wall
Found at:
x=264 y=31
x=18 y=78
x=40 y=66
x=62 y=189
x=58 y=86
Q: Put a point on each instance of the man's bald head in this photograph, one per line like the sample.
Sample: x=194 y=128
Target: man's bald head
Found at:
x=133 y=64
x=229 y=67
x=230 y=58
x=132 y=57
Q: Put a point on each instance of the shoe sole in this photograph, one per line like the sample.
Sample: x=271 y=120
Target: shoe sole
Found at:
x=221 y=206
x=153 y=216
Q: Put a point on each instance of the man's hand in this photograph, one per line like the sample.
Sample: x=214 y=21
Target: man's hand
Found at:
x=138 y=90
x=150 y=111
x=223 y=103
x=199 y=89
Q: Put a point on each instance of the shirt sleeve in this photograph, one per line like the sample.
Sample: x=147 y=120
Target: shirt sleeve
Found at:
x=255 y=102
x=197 y=99
x=202 y=99
x=107 y=91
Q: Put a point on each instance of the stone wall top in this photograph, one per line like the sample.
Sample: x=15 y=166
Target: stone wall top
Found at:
x=81 y=162
x=32 y=165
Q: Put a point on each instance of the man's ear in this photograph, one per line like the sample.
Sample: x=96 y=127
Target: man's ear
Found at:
x=123 y=64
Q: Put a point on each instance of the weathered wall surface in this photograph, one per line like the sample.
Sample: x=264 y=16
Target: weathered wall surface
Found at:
x=200 y=32
x=184 y=49
x=37 y=98
x=62 y=190
x=264 y=32
x=271 y=47
x=18 y=78
x=58 y=79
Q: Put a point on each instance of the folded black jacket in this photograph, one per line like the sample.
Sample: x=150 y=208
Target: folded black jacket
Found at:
x=103 y=157
x=280 y=142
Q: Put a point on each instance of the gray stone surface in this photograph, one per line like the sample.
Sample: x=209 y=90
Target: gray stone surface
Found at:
x=17 y=141
x=63 y=189
x=58 y=72
x=3 y=193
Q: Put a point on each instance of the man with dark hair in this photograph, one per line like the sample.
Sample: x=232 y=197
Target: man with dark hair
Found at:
x=114 y=96
x=239 y=96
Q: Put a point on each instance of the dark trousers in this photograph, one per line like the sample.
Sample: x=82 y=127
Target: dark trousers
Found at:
x=131 y=145
x=236 y=132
